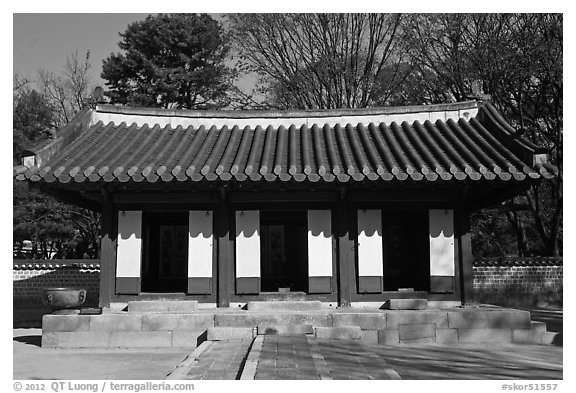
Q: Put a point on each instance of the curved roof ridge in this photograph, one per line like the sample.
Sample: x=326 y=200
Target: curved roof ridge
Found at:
x=239 y=114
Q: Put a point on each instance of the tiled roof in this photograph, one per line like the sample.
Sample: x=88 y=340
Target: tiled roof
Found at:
x=519 y=261
x=481 y=147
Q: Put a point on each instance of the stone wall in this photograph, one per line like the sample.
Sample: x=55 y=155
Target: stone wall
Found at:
x=522 y=275
x=31 y=276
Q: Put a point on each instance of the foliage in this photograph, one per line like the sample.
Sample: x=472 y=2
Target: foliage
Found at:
x=170 y=61
x=55 y=229
x=32 y=120
x=319 y=61
x=355 y=60
x=516 y=59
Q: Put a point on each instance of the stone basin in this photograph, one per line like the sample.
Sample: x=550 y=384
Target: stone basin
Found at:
x=63 y=299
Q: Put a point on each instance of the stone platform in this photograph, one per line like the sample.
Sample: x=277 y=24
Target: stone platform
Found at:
x=187 y=326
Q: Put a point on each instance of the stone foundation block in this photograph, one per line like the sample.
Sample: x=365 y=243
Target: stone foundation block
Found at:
x=187 y=338
x=446 y=336
x=388 y=337
x=522 y=336
x=338 y=333
x=284 y=305
x=538 y=330
x=255 y=319
x=369 y=337
x=538 y=327
x=366 y=321
x=65 y=323
x=50 y=340
x=549 y=338
x=115 y=322
x=484 y=336
x=84 y=339
x=406 y=304
x=418 y=333
x=285 y=329
x=177 y=321
x=230 y=333
x=175 y=306
x=128 y=339
x=489 y=319
x=396 y=318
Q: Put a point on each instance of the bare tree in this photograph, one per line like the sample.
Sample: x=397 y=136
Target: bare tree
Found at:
x=19 y=83
x=517 y=60
x=78 y=79
x=312 y=61
x=68 y=90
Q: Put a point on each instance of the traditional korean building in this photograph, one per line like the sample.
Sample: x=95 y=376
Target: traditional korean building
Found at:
x=343 y=206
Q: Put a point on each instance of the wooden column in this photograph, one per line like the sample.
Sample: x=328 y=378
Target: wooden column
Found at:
x=465 y=256
x=225 y=262
x=107 y=253
x=345 y=254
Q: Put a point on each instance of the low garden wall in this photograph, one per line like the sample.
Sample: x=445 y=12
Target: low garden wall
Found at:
x=519 y=282
x=29 y=277
x=493 y=278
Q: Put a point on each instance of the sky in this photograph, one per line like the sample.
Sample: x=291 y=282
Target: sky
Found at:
x=43 y=41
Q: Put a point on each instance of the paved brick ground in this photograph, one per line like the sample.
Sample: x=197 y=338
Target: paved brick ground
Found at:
x=222 y=360
x=292 y=357
x=286 y=357
x=352 y=360
x=474 y=361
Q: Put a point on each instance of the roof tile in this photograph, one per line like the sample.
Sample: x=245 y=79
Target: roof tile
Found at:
x=484 y=147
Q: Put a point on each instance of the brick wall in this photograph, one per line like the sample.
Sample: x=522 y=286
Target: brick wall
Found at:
x=523 y=275
x=526 y=275
x=29 y=277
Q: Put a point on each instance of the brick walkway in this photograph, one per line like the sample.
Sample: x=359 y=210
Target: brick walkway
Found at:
x=475 y=361
x=222 y=360
x=352 y=360
x=286 y=357
x=293 y=357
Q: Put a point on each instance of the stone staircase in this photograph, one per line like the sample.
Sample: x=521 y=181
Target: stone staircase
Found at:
x=177 y=323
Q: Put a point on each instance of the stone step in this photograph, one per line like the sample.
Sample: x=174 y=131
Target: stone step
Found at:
x=406 y=304
x=285 y=329
x=288 y=305
x=167 y=306
x=230 y=333
x=338 y=333
x=283 y=296
x=551 y=338
x=253 y=319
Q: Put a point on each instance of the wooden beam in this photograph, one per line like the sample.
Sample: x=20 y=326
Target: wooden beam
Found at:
x=465 y=256
x=165 y=197
x=345 y=254
x=278 y=196
x=69 y=197
x=490 y=196
x=404 y=196
x=225 y=256
x=108 y=253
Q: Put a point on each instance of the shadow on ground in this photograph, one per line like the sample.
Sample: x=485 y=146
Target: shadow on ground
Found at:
x=466 y=362
x=30 y=340
x=28 y=316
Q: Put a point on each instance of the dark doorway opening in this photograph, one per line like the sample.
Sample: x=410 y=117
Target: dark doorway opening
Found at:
x=284 y=251
x=165 y=262
x=406 y=250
